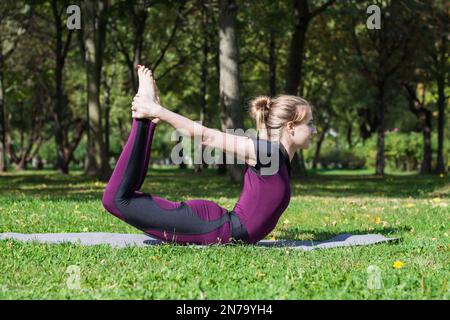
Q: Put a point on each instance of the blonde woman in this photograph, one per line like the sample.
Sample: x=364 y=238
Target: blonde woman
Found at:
x=284 y=125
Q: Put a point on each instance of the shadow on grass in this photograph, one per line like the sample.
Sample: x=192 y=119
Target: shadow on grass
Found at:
x=390 y=186
x=176 y=184
x=173 y=184
x=322 y=235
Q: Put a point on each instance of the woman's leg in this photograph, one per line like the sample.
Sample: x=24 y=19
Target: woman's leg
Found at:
x=130 y=170
x=193 y=221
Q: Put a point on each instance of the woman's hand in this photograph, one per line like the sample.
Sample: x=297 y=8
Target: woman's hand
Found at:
x=144 y=107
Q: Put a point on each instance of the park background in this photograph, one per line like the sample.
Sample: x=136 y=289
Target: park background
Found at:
x=378 y=164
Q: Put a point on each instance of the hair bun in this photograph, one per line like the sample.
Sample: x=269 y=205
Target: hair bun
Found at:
x=259 y=110
x=261 y=103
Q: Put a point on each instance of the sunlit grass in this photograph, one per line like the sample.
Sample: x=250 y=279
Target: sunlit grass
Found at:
x=324 y=204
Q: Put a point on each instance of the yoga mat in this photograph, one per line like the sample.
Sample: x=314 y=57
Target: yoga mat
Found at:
x=120 y=240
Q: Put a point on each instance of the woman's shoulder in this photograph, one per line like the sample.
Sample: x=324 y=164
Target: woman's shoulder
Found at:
x=270 y=157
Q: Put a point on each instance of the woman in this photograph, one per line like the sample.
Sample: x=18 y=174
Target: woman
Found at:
x=285 y=125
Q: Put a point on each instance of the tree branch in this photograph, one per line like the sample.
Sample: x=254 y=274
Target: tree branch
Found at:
x=322 y=8
x=172 y=36
x=364 y=65
x=66 y=47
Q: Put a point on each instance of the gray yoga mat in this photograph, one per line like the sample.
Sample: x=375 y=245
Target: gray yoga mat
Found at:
x=120 y=240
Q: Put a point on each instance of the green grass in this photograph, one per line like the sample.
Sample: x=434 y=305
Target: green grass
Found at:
x=325 y=204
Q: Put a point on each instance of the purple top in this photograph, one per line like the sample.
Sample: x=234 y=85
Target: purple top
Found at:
x=266 y=191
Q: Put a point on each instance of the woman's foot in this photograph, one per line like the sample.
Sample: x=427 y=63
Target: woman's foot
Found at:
x=147 y=86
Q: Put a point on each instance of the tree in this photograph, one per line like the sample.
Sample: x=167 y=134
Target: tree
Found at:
x=230 y=114
x=14 y=22
x=30 y=121
x=416 y=103
x=436 y=31
x=381 y=53
x=94 y=33
x=303 y=16
x=64 y=148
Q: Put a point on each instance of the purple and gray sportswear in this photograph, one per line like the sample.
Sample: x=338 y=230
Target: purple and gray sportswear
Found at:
x=265 y=195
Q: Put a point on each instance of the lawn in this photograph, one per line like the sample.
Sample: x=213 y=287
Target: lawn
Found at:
x=325 y=204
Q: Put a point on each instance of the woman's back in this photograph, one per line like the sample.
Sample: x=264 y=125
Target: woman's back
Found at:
x=266 y=190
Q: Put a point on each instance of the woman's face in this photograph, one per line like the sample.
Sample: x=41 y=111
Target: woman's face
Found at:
x=301 y=133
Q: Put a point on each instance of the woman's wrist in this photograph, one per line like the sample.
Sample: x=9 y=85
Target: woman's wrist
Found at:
x=163 y=113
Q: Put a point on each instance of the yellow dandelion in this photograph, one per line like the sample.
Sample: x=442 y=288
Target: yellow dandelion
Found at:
x=378 y=220
x=398 y=264
x=272 y=237
x=437 y=200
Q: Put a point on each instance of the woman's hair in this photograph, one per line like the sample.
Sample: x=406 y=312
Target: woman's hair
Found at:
x=273 y=114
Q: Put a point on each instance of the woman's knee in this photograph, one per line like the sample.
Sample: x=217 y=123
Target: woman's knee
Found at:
x=108 y=202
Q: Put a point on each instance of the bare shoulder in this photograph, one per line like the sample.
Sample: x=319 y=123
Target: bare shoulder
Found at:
x=250 y=151
x=243 y=147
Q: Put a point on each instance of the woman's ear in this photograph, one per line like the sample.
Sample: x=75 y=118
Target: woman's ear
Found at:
x=290 y=127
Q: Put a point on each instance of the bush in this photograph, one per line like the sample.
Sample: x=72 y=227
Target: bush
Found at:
x=343 y=159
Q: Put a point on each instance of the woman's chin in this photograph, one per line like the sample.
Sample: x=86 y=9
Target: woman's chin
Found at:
x=306 y=145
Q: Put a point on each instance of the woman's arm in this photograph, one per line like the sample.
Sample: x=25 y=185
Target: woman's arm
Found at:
x=241 y=146
x=147 y=105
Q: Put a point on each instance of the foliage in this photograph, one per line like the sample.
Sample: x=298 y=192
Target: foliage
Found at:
x=342 y=97
x=341 y=159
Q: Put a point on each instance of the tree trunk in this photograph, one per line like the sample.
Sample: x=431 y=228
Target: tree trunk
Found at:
x=231 y=114
x=425 y=167
x=418 y=108
x=96 y=163
x=107 y=114
x=58 y=99
x=203 y=78
x=379 y=164
x=140 y=19
x=272 y=64
x=182 y=165
x=22 y=165
x=295 y=65
x=318 y=146
x=440 y=165
x=349 y=135
x=296 y=52
x=3 y=167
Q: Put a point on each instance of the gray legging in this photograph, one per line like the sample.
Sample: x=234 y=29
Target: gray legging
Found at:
x=191 y=221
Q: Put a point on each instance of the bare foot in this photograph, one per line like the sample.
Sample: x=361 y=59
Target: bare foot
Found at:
x=145 y=82
x=147 y=86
